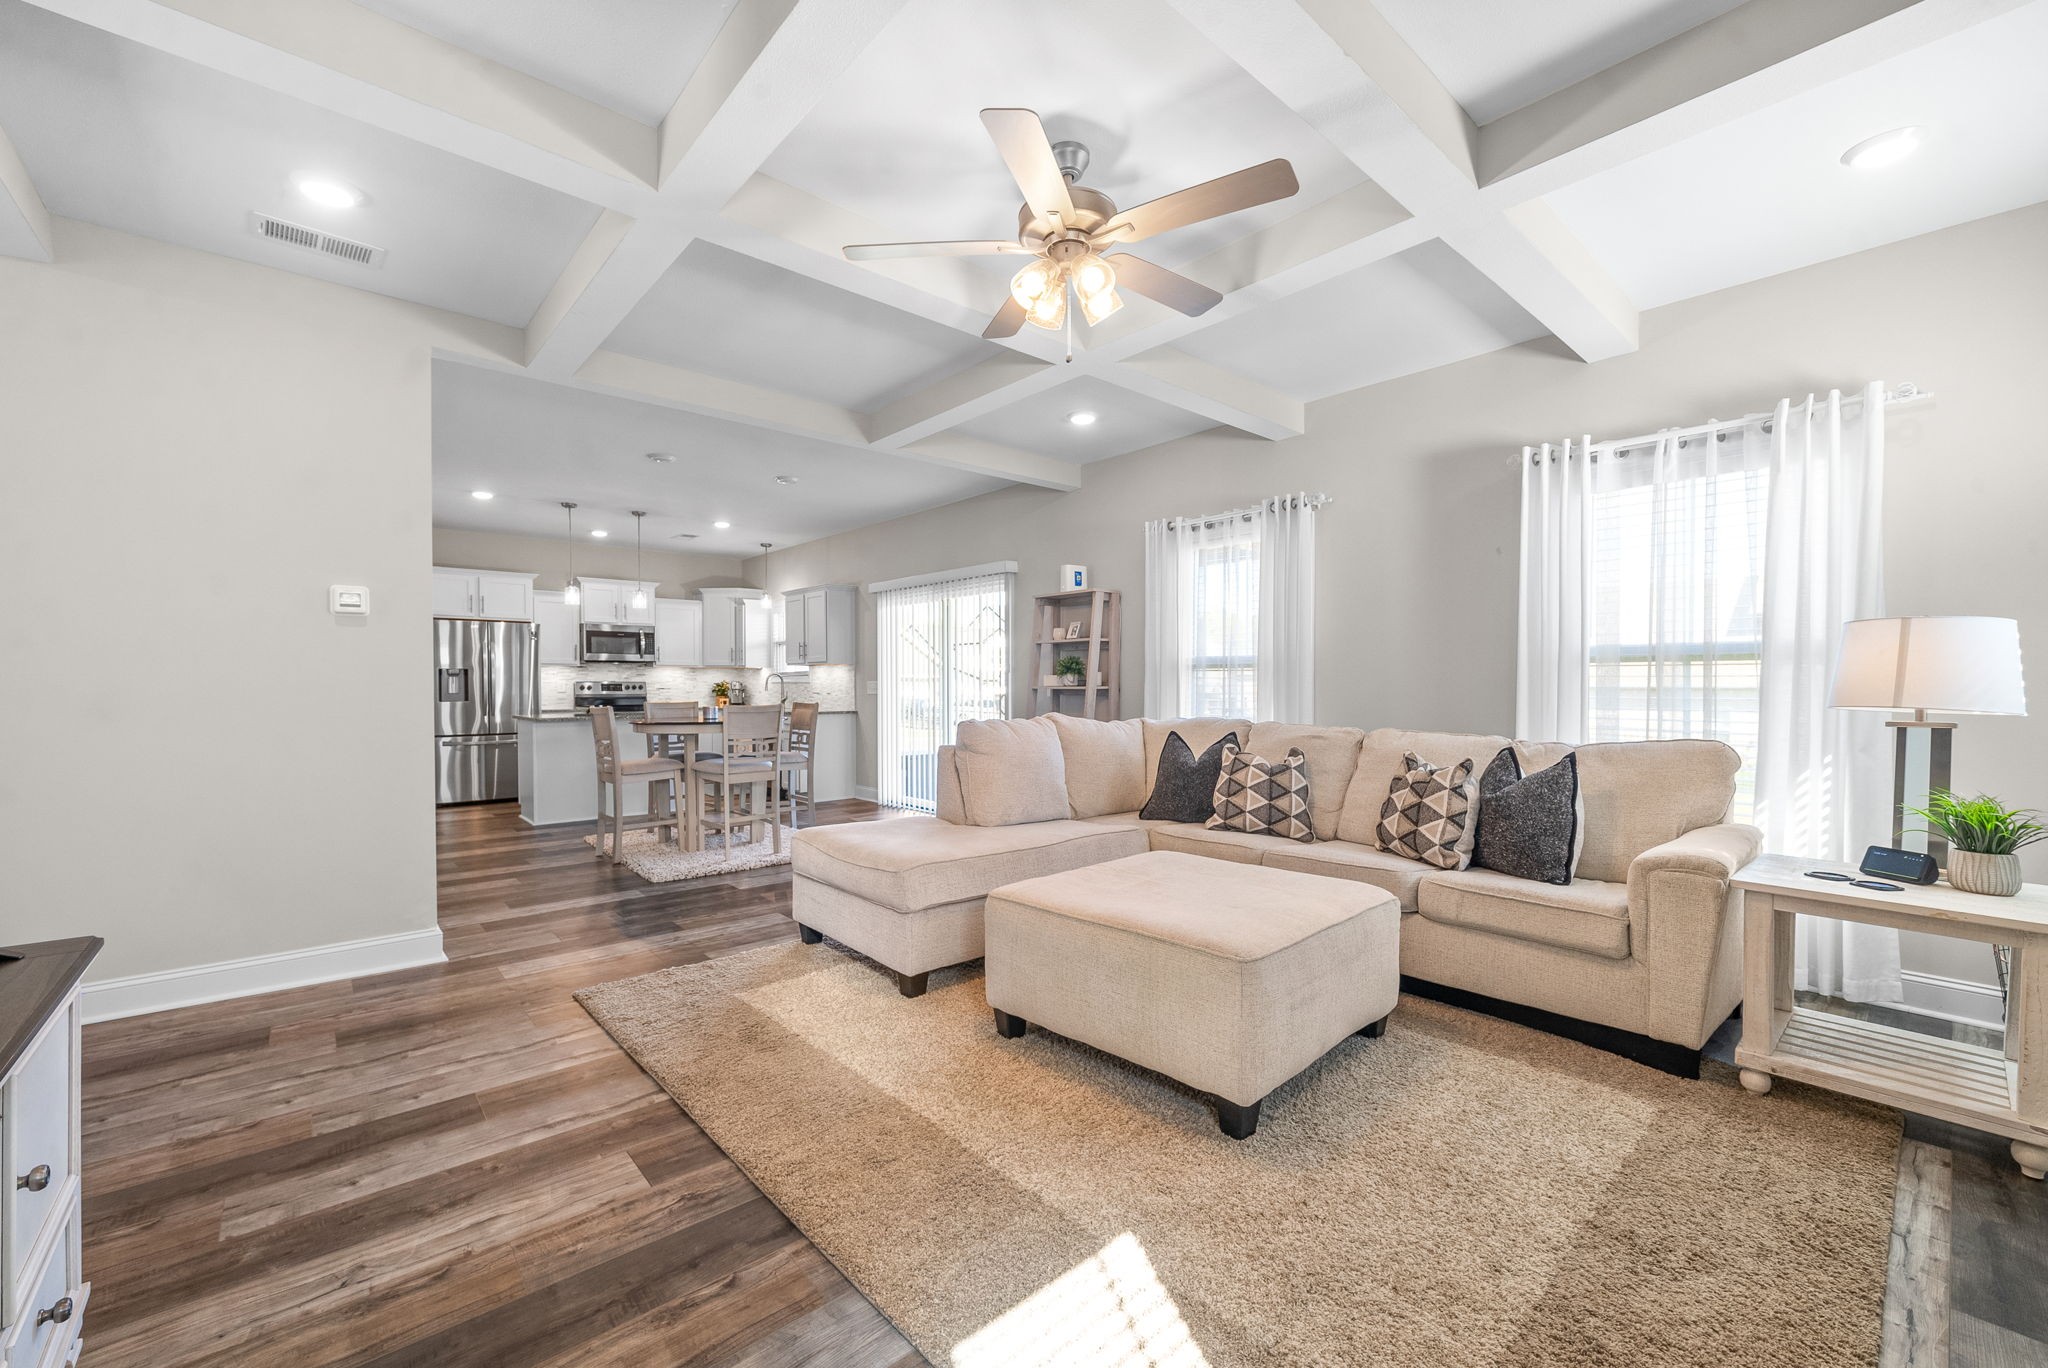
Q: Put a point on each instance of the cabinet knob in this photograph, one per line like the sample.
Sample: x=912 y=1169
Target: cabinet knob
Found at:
x=36 y=1179
x=57 y=1314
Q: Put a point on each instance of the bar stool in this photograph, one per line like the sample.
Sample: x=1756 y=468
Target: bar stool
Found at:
x=795 y=759
x=748 y=756
x=613 y=774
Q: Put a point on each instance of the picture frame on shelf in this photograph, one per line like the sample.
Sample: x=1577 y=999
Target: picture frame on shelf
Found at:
x=1076 y=630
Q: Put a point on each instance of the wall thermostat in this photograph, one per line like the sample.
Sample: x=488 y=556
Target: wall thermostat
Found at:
x=350 y=599
x=1073 y=577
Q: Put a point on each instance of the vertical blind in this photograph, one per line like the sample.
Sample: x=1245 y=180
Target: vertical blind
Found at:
x=943 y=655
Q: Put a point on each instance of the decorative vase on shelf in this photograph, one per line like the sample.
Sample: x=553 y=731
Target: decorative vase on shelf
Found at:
x=1971 y=871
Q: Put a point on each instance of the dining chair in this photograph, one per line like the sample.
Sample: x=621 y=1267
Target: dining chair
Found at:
x=748 y=755
x=614 y=773
x=796 y=758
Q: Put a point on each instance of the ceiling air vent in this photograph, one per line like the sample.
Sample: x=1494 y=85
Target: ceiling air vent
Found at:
x=312 y=239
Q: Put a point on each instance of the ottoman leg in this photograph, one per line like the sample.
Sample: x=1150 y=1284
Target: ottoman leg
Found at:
x=1237 y=1122
x=1009 y=1027
x=1376 y=1029
x=808 y=936
x=911 y=985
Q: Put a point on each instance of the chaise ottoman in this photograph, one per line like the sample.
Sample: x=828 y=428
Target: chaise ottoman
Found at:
x=1231 y=978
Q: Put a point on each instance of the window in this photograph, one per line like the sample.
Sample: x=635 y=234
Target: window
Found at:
x=943 y=659
x=1220 y=674
x=1675 y=609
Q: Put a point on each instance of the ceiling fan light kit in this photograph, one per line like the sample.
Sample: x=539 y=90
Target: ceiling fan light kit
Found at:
x=1065 y=228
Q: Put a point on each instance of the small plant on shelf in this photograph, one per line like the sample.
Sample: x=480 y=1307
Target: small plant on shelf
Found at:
x=1984 y=837
x=721 y=694
x=1069 y=669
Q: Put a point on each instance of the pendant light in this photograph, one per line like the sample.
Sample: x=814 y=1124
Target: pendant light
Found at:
x=639 y=585
x=572 y=593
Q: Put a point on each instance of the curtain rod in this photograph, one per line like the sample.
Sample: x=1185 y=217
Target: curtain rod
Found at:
x=1905 y=393
x=1310 y=501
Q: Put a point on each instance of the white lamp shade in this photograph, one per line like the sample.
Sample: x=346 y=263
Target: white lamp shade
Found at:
x=1935 y=664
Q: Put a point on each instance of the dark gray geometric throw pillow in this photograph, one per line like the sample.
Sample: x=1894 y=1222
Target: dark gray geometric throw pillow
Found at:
x=1185 y=789
x=1531 y=827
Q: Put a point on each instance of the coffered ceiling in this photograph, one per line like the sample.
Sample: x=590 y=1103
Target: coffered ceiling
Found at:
x=654 y=194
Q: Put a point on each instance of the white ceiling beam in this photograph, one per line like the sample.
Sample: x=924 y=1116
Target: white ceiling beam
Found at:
x=961 y=398
x=353 y=61
x=1344 y=70
x=1748 y=59
x=24 y=222
x=1187 y=382
x=957 y=451
x=767 y=67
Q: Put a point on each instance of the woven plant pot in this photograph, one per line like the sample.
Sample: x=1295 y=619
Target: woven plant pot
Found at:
x=1971 y=871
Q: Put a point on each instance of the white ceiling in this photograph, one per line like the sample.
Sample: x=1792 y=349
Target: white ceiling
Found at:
x=1495 y=56
x=899 y=138
x=632 y=56
x=1123 y=422
x=732 y=316
x=533 y=444
x=1768 y=193
x=122 y=135
x=1423 y=308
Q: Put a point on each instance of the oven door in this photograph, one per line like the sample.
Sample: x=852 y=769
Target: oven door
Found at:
x=624 y=642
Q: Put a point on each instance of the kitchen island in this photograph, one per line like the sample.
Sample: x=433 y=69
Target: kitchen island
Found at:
x=558 y=765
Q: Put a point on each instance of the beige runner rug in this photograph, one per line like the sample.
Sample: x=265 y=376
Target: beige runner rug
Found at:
x=1461 y=1191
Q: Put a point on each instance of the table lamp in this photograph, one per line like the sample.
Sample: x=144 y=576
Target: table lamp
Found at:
x=1924 y=665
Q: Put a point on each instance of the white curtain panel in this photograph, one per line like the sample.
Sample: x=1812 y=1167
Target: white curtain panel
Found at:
x=1162 y=618
x=1557 y=511
x=1287 y=610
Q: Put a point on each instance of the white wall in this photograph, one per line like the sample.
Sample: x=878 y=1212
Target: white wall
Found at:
x=191 y=450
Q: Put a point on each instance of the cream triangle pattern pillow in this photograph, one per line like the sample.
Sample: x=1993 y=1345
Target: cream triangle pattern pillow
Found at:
x=1431 y=813
x=1263 y=798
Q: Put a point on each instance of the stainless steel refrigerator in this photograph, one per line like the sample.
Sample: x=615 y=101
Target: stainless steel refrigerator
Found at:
x=484 y=674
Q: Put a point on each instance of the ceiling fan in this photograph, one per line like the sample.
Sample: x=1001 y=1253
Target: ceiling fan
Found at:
x=1067 y=230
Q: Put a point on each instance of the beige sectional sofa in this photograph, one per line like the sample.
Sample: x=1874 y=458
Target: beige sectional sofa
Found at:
x=1641 y=952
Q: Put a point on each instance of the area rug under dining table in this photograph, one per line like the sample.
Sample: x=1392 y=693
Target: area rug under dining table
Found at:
x=1461 y=1191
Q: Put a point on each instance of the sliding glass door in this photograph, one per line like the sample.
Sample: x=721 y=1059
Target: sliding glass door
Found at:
x=944 y=658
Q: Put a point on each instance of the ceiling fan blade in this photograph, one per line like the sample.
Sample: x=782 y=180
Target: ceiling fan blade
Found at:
x=1170 y=288
x=878 y=251
x=1021 y=139
x=1261 y=184
x=1008 y=319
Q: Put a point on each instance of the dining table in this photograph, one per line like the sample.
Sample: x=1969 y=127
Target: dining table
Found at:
x=662 y=734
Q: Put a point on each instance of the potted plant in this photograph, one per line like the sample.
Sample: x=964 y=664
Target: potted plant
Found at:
x=1984 y=837
x=1069 y=669
x=721 y=695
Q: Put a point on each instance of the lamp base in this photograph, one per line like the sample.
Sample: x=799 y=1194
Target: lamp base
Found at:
x=1940 y=739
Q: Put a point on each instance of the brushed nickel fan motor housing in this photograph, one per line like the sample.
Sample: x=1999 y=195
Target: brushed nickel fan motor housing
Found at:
x=1092 y=209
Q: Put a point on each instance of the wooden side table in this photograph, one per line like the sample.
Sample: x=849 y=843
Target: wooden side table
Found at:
x=2003 y=1093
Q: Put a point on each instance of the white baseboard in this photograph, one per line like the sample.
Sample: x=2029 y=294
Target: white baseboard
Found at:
x=111 y=999
x=864 y=791
x=1953 y=999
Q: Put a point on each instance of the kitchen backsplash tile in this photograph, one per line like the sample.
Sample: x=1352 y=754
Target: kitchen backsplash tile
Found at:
x=831 y=687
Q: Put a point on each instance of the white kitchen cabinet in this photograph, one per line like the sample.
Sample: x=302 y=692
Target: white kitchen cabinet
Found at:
x=737 y=628
x=678 y=632
x=482 y=594
x=818 y=625
x=612 y=601
x=559 y=624
x=757 y=634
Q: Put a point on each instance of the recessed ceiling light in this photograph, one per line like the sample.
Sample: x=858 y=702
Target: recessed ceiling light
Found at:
x=1081 y=419
x=599 y=532
x=1886 y=149
x=660 y=457
x=785 y=479
x=481 y=494
x=328 y=192
x=721 y=524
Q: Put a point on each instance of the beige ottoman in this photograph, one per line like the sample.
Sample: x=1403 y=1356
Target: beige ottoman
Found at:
x=1230 y=977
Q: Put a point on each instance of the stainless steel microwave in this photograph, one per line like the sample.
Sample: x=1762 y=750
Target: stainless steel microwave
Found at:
x=627 y=642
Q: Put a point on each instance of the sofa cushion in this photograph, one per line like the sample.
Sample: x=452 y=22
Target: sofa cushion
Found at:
x=912 y=864
x=1185 y=789
x=1588 y=916
x=1240 y=847
x=1332 y=755
x=1430 y=813
x=1379 y=763
x=1011 y=771
x=1640 y=794
x=1532 y=826
x=1262 y=797
x=949 y=806
x=1199 y=732
x=1361 y=864
x=1105 y=764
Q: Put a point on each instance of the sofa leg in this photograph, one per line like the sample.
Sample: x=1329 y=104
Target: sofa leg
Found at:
x=1237 y=1122
x=1009 y=1027
x=912 y=985
x=808 y=936
x=1376 y=1029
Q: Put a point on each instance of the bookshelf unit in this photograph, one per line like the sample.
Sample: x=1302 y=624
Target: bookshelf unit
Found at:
x=1100 y=613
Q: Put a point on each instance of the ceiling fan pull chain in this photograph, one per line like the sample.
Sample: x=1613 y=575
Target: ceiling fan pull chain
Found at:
x=1070 y=332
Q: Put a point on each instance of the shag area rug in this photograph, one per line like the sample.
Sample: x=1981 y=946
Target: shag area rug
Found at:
x=659 y=861
x=1460 y=1192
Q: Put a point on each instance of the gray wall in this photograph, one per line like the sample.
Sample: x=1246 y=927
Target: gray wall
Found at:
x=1416 y=572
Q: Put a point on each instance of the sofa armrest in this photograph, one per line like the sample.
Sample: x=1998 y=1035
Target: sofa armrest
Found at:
x=1683 y=925
x=951 y=807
